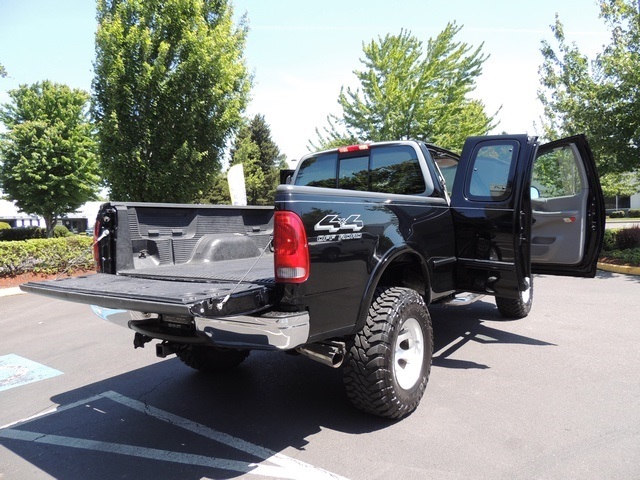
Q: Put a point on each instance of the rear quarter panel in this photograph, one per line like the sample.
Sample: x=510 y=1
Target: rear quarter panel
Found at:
x=352 y=237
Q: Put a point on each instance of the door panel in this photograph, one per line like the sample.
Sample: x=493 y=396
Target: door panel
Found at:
x=512 y=219
x=557 y=233
x=490 y=220
x=559 y=197
x=567 y=208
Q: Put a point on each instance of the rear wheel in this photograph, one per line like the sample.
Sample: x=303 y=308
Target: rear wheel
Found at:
x=389 y=361
x=211 y=359
x=517 y=307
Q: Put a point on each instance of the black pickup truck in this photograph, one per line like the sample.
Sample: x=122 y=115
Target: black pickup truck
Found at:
x=360 y=240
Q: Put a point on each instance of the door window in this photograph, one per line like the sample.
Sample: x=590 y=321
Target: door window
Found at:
x=557 y=174
x=492 y=170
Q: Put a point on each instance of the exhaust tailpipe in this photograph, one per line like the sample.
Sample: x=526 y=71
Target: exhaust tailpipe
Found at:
x=331 y=354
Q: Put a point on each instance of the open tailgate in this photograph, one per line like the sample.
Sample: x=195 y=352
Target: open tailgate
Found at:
x=162 y=296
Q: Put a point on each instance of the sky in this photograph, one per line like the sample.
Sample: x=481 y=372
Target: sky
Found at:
x=302 y=52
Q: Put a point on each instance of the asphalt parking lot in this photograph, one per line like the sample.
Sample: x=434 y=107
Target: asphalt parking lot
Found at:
x=555 y=395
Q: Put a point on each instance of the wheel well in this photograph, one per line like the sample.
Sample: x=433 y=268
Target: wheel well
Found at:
x=407 y=270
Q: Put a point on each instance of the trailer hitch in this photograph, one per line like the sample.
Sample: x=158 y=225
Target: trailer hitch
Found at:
x=139 y=340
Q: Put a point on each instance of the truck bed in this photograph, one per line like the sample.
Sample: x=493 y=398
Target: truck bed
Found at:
x=252 y=270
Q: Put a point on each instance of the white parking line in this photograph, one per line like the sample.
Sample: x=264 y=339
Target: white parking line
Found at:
x=281 y=466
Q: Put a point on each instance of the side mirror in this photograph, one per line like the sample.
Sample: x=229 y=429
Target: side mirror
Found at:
x=535 y=193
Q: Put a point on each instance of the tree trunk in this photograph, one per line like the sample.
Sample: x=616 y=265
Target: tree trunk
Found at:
x=50 y=221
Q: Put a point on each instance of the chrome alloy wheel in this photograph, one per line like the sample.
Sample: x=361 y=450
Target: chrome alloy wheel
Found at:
x=408 y=354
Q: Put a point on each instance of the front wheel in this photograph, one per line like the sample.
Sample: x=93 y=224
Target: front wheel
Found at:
x=517 y=307
x=389 y=361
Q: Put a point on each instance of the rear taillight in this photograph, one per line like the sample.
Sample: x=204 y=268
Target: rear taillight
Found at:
x=290 y=248
x=96 y=245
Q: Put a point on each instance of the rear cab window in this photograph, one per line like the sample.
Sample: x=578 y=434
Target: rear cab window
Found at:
x=393 y=168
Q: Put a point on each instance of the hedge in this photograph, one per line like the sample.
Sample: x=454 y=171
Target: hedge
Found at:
x=634 y=213
x=628 y=238
x=26 y=233
x=47 y=255
x=609 y=243
x=22 y=233
x=621 y=239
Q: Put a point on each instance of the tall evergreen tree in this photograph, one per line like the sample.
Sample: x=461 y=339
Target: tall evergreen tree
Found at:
x=261 y=159
x=169 y=89
x=48 y=153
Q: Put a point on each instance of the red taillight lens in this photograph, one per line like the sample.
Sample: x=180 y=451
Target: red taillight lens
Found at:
x=96 y=246
x=290 y=247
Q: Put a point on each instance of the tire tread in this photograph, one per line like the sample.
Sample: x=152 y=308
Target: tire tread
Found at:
x=366 y=374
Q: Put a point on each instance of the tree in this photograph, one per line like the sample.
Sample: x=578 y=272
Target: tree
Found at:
x=617 y=185
x=407 y=93
x=3 y=71
x=48 y=153
x=169 y=88
x=601 y=97
x=261 y=159
x=218 y=191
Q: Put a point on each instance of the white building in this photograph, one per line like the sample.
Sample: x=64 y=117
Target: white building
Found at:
x=79 y=221
x=9 y=213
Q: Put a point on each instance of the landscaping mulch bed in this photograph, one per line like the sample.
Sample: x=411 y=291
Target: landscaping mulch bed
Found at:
x=8 y=282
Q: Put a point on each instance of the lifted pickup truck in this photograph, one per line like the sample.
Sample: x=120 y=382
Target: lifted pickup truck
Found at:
x=360 y=240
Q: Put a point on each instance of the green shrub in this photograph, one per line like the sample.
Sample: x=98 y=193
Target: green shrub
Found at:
x=4 y=226
x=22 y=233
x=634 y=213
x=628 y=238
x=617 y=214
x=61 y=231
x=609 y=240
x=46 y=255
x=631 y=256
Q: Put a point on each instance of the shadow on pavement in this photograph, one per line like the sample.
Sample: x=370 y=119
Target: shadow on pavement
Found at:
x=168 y=421
x=456 y=326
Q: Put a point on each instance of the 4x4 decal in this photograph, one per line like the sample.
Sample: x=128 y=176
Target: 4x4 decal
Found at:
x=333 y=224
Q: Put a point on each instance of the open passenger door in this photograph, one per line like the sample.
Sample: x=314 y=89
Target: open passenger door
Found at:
x=519 y=208
x=568 y=209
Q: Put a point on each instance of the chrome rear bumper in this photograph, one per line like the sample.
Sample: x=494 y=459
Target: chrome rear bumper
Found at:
x=268 y=331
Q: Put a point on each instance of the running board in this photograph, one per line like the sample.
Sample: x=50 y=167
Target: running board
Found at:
x=463 y=299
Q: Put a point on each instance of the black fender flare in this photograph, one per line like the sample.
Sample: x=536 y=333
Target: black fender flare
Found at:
x=377 y=273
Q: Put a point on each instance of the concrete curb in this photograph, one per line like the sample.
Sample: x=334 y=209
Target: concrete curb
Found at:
x=5 y=292
x=627 y=270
